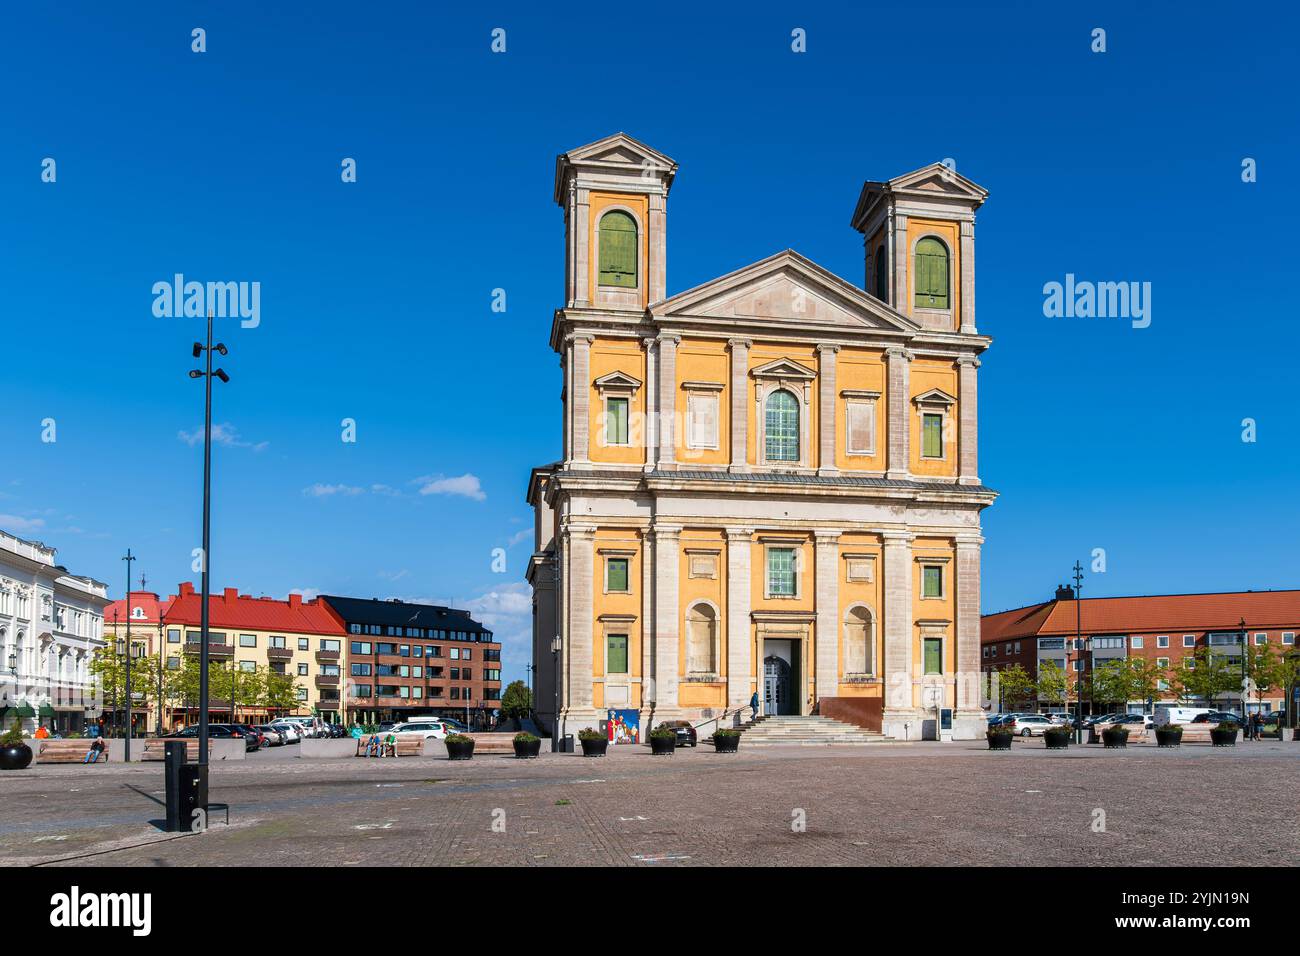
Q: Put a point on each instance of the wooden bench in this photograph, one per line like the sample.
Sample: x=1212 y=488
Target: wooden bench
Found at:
x=494 y=743
x=405 y=745
x=155 y=748
x=67 y=751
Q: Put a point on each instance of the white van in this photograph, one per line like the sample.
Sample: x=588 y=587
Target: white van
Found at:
x=1173 y=714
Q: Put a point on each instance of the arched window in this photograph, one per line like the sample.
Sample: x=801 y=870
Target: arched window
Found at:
x=618 y=250
x=782 y=426
x=701 y=640
x=882 y=280
x=858 y=641
x=931 y=274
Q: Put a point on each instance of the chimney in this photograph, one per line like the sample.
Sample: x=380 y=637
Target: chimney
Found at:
x=1064 y=593
x=231 y=593
x=185 y=587
x=295 y=600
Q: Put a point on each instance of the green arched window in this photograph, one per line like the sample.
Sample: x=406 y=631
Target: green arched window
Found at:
x=618 y=250
x=882 y=280
x=782 y=427
x=931 y=274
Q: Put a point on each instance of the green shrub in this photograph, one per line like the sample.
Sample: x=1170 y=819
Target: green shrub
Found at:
x=14 y=735
x=726 y=732
x=526 y=738
x=590 y=733
x=662 y=733
x=459 y=739
x=1001 y=730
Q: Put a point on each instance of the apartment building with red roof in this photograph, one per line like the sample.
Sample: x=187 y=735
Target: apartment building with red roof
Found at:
x=1078 y=635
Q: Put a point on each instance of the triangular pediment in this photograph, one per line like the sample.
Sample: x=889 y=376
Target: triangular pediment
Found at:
x=785 y=289
x=941 y=180
x=618 y=380
x=935 y=396
x=619 y=149
x=784 y=368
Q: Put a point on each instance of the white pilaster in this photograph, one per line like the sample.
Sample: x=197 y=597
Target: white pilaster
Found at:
x=667 y=401
x=740 y=668
x=578 y=710
x=900 y=719
x=969 y=720
x=967 y=421
x=826 y=409
x=580 y=400
x=898 y=362
x=899 y=263
x=826 y=672
x=739 y=418
x=667 y=613
x=968 y=277
x=649 y=427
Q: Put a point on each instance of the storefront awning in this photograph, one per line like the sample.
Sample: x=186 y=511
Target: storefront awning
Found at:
x=46 y=710
x=25 y=710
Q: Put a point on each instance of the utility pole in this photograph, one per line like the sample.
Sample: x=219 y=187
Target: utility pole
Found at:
x=127 y=745
x=1078 y=649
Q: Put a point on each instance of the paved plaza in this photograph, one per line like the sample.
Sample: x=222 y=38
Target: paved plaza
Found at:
x=897 y=805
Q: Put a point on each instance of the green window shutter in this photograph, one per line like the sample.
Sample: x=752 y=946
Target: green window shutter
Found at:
x=617 y=239
x=616 y=574
x=931 y=279
x=933 y=655
x=617 y=653
x=616 y=421
x=782 y=427
x=932 y=436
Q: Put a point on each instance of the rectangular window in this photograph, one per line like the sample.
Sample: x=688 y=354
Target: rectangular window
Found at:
x=1189 y=640
x=302 y=670
x=616 y=421
x=1261 y=638
x=1162 y=663
x=248 y=667
x=616 y=574
x=1078 y=665
x=466 y=653
x=329 y=645
x=616 y=653
x=360 y=647
x=931 y=435
x=361 y=690
x=1288 y=637
x=173 y=635
x=702 y=420
x=417 y=692
x=247 y=640
x=275 y=642
x=467 y=673
x=1135 y=642
x=860 y=427
x=933 y=655
x=1162 y=640
x=304 y=643
x=328 y=670
x=781 y=574
x=417 y=671
x=932 y=581
x=454 y=653
x=360 y=670
x=455 y=673
x=455 y=693
x=173 y=663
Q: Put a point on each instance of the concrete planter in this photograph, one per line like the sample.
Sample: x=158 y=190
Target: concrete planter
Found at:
x=1114 y=737
x=1056 y=740
x=223 y=749
x=726 y=743
x=15 y=757
x=594 y=747
x=1168 y=738
x=999 y=741
x=1223 y=738
x=663 y=746
x=327 y=749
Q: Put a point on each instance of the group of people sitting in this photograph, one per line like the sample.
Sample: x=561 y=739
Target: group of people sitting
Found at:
x=378 y=746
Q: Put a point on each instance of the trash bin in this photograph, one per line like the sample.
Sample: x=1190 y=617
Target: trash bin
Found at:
x=186 y=788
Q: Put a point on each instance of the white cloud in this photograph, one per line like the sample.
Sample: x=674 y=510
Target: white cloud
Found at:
x=387 y=490
x=15 y=524
x=319 y=490
x=522 y=534
x=466 y=485
x=308 y=594
x=223 y=434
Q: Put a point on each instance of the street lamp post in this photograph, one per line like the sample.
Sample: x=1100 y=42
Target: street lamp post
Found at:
x=128 y=559
x=1242 y=625
x=1078 y=641
x=206 y=375
x=555 y=711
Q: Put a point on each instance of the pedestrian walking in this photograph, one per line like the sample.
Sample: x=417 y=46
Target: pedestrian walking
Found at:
x=753 y=706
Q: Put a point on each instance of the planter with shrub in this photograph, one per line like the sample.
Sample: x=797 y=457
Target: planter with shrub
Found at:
x=527 y=745
x=1112 y=737
x=1224 y=735
x=14 y=753
x=459 y=747
x=726 y=741
x=1170 y=735
x=1057 y=738
x=594 y=743
x=999 y=738
x=663 y=741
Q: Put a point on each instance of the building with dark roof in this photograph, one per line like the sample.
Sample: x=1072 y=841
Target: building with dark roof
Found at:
x=408 y=660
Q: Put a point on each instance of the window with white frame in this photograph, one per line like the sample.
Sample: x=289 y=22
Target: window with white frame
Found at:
x=782 y=394
x=1189 y=640
x=1261 y=637
x=618 y=579
x=1288 y=637
x=1135 y=642
x=932 y=578
x=782 y=572
x=1162 y=640
x=933 y=408
x=616 y=391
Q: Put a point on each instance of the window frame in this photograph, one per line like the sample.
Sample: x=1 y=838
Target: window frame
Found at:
x=616 y=211
x=796 y=550
x=866 y=402
x=609 y=556
x=916 y=274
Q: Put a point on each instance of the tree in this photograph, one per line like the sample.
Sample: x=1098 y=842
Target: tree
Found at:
x=279 y=691
x=1205 y=675
x=1265 y=669
x=1014 y=685
x=517 y=701
x=1144 y=678
x=1110 y=683
x=1054 y=683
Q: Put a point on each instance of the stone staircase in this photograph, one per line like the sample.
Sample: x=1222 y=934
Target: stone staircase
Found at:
x=807 y=732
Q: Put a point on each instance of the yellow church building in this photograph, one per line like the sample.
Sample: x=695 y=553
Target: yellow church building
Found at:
x=769 y=482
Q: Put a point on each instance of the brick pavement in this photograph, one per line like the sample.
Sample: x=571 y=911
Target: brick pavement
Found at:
x=918 y=804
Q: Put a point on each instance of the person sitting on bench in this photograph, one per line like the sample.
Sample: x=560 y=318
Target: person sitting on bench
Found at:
x=390 y=745
x=96 y=748
x=374 y=746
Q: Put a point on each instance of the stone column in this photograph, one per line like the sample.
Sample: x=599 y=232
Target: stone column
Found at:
x=649 y=430
x=582 y=231
x=967 y=421
x=969 y=720
x=740 y=669
x=580 y=400
x=968 y=277
x=579 y=641
x=899 y=264
x=667 y=401
x=826 y=408
x=898 y=462
x=739 y=417
x=826 y=670
x=667 y=613
x=647 y=624
x=657 y=248
x=899 y=709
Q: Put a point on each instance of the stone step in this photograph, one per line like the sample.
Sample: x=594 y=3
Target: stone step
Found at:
x=810 y=730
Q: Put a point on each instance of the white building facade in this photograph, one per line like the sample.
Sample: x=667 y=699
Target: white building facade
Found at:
x=51 y=622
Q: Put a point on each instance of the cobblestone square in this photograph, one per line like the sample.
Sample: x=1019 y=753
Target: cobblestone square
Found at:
x=885 y=805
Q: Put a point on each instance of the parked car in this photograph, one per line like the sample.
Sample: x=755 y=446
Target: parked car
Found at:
x=292 y=731
x=1030 y=725
x=1216 y=717
x=386 y=726
x=1096 y=719
x=429 y=729
x=1145 y=721
x=273 y=736
x=685 y=732
x=222 y=732
x=456 y=726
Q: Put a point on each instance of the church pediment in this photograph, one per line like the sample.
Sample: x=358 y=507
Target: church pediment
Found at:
x=786 y=289
x=940 y=180
x=784 y=368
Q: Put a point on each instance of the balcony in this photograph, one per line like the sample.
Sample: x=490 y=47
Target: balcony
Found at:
x=279 y=654
x=327 y=657
x=327 y=680
x=214 y=650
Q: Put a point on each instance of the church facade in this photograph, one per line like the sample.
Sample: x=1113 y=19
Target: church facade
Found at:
x=769 y=482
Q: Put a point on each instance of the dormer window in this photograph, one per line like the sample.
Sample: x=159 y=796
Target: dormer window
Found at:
x=618 y=250
x=931 y=276
x=137 y=613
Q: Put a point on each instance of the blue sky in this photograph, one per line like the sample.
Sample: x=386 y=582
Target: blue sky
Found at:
x=375 y=306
